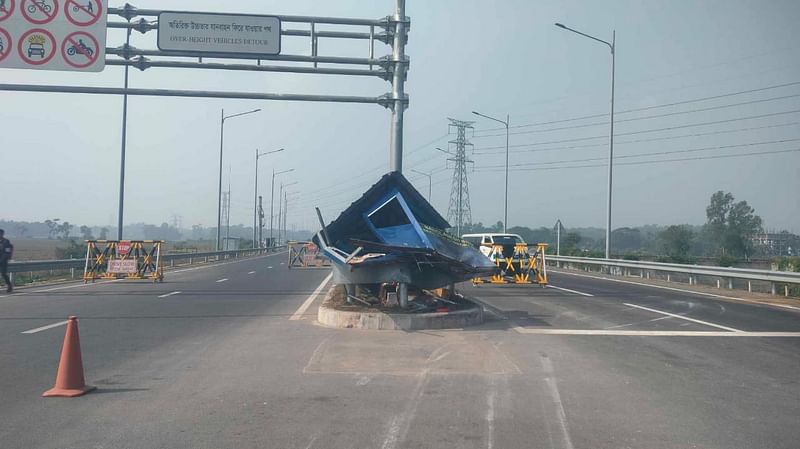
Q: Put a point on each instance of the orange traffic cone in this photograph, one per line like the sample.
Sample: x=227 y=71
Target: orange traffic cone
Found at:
x=69 y=380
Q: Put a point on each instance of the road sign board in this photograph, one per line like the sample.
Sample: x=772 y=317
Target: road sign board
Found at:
x=6 y=44
x=39 y=12
x=37 y=47
x=122 y=266
x=203 y=33
x=84 y=15
x=38 y=29
x=123 y=248
x=6 y=9
x=80 y=49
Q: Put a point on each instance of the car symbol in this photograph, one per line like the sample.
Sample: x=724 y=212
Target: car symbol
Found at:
x=36 y=49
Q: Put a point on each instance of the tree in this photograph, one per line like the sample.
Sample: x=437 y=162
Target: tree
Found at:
x=64 y=229
x=731 y=225
x=52 y=227
x=103 y=233
x=86 y=233
x=676 y=241
x=626 y=239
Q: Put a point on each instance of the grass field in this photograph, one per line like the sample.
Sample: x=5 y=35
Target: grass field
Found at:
x=44 y=249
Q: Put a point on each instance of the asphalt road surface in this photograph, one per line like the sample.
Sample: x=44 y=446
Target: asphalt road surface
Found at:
x=229 y=356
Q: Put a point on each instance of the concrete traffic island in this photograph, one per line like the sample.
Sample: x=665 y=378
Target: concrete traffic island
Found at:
x=335 y=311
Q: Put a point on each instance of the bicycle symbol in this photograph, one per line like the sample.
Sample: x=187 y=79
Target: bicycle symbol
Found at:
x=39 y=5
x=81 y=48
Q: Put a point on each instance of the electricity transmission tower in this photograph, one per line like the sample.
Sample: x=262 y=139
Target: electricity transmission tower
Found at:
x=459 y=211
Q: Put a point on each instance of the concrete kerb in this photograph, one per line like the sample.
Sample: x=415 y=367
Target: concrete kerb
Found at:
x=330 y=317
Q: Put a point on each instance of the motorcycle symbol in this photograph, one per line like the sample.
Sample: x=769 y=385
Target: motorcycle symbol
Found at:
x=81 y=48
x=2 y=46
x=39 y=5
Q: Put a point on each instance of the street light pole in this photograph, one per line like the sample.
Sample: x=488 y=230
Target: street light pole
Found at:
x=430 y=183
x=505 y=123
x=222 y=119
x=612 y=45
x=255 y=198
x=272 y=202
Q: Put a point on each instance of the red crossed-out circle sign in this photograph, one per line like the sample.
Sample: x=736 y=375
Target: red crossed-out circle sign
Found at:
x=7 y=10
x=37 y=46
x=80 y=49
x=5 y=44
x=39 y=11
x=83 y=14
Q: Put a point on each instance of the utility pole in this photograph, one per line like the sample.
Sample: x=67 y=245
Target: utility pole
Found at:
x=459 y=209
x=226 y=215
x=260 y=221
x=612 y=46
x=558 y=237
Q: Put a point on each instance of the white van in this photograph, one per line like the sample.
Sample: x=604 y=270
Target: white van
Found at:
x=485 y=242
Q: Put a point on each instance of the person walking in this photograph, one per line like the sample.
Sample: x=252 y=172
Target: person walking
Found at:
x=6 y=251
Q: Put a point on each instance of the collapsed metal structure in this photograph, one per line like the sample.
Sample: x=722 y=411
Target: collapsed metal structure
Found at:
x=392 y=235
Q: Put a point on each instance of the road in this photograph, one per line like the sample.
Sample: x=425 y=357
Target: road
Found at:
x=229 y=356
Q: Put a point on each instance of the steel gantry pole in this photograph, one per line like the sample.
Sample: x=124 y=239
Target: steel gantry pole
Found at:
x=272 y=202
x=398 y=89
x=612 y=45
x=505 y=123
x=255 y=199
x=123 y=145
x=222 y=119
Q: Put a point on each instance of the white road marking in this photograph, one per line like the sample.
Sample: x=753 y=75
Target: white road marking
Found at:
x=640 y=322
x=170 y=294
x=307 y=303
x=44 y=328
x=560 y=413
x=626 y=333
x=783 y=306
x=681 y=317
x=269 y=268
x=222 y=280
x=402 y=421
x=73 y=286
x=570 y=291
x=490 y=399
x=281 y=263
x=202 y=267
x=251 y=272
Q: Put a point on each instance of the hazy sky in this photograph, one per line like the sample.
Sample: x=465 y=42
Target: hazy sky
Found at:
x=59 y=153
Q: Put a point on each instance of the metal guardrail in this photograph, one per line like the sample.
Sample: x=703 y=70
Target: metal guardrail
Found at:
x=783 y=277
x=67 y=264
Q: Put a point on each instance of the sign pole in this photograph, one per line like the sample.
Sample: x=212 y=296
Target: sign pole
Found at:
x=398 y=90
x=123 y=145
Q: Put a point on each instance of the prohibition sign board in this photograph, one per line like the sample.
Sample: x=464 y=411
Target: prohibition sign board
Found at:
x=39 y=12
x=83 y=15
x=80 y=49
x=7 y=10
x=6 y=46
x=39 y=43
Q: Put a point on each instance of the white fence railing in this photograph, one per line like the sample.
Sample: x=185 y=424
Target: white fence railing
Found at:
x=37 y=266
x=644 y=269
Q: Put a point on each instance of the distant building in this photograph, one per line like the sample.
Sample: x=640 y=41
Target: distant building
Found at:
x=782 y=243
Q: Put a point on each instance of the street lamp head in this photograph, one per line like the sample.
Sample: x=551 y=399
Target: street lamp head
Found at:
x=560 y=25
x=476 y=113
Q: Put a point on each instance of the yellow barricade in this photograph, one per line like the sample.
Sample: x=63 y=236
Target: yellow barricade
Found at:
x=306 y=255
x=123 y=259
x=521 y=268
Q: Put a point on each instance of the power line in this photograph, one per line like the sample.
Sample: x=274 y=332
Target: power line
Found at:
x=657 y=106
x=698 y=158
x=647 y=117
x=659 y=153
x=622 y=142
